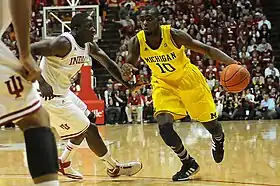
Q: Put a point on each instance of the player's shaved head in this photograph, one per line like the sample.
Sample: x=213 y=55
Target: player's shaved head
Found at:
x=79 y=19
x=149 y=19
x=82 y=28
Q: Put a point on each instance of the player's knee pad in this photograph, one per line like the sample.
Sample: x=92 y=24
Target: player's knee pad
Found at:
x=214 y=127
x=169 y=136
x=92 y=117
x=165 y=128
x=41 y=151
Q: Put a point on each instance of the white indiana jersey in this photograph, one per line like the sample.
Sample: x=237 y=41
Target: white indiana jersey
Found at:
x=58 y=71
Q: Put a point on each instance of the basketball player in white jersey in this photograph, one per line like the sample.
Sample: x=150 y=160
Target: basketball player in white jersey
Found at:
x=63 y=58
x=20 y=101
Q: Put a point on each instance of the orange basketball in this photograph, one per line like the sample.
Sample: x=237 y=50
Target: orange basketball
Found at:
x=235 y=78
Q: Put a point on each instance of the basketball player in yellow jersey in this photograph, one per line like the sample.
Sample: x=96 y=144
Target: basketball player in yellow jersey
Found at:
x=178 y=85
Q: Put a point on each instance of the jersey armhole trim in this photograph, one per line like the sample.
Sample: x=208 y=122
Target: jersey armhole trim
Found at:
x=71 y=47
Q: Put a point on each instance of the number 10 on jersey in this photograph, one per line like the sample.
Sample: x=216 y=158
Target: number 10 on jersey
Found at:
x=165 y=67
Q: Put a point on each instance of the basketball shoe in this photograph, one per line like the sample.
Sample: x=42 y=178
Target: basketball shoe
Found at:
x=189 y=168
x=66 y=170
x=127 y=169
x=218 y=149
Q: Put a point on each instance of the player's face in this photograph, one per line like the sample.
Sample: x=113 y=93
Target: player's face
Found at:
x=148 y=21
x=88 y=29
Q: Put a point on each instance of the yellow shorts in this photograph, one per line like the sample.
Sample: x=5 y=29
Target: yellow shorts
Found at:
x=190 y=94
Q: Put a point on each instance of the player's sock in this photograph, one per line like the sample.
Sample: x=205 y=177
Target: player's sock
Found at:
x=183 y=154
x=68 y=152
x=48 y=183
x=172 y=139
x=215 y=128
x=109 y=162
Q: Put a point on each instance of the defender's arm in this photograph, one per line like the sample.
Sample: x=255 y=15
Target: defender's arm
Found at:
x=59 y=47
x=108 y=63
x=182 y=38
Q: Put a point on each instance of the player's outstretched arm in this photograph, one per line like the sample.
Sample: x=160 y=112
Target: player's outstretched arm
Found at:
x=182 y=38
x=59 y=47
x=98 y=54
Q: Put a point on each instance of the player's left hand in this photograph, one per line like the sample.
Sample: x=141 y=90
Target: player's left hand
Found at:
x=127 y=71
x=46 y=90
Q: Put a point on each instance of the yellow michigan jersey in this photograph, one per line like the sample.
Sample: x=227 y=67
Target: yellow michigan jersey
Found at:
x=178 y=86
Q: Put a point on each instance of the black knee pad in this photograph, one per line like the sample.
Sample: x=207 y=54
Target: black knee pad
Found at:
x=169 y=136
x=92 y=117
x=41 y=151
x=165 y=128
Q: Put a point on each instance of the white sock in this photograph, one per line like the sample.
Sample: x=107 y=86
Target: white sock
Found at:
x=109 y=162
x=48 y=183
x=68 y=152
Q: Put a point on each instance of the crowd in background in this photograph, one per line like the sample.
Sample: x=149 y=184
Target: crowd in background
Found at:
x=237 y=27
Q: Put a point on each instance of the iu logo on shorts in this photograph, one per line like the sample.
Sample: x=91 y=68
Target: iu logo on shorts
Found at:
x=15 y=86
x=65 y=126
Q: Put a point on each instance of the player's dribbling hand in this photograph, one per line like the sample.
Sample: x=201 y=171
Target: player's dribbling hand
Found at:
x=31 y=71
x=127 y=71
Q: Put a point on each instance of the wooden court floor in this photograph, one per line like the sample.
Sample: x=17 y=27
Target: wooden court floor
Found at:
x=252 y=156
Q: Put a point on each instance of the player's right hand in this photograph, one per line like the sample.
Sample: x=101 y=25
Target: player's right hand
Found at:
x=31 y=71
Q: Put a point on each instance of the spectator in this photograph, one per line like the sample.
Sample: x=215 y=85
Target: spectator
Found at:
x=264 y=21
x=124 y=12
x=108 y=94
x=133 y=105
x=271 y=71
x=267 y=108
x=112 y=113
x=264 y=46
x=131 y=3
x=149 y=108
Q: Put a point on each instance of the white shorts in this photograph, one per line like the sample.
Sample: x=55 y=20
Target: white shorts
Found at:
x=18 y=97
x=68 y=115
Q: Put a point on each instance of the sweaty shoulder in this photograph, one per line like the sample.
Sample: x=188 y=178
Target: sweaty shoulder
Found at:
x=180 y=37
x=62 y=45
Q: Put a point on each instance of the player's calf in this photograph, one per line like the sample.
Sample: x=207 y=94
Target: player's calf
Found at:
x=41 y=154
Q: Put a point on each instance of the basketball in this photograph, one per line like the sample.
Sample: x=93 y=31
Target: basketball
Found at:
x=235 y=78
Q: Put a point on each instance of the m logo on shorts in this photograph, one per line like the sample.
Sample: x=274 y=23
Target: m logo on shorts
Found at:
x=15 y=86
x=64 y=126
x=213 y=115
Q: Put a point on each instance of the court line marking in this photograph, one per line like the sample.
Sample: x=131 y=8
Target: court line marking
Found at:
x=102 y=178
